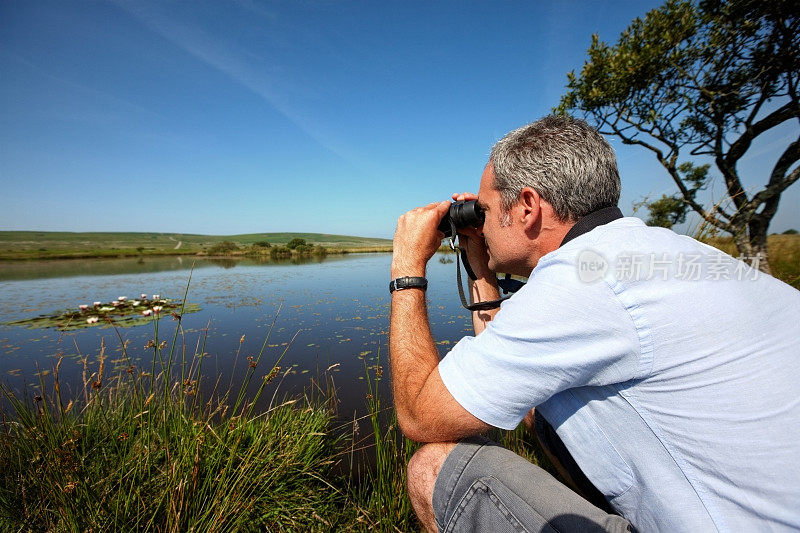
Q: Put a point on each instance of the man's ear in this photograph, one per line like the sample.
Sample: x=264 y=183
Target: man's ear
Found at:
x=531 y=207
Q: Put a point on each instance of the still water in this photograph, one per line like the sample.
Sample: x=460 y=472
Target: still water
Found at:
x=330 y=313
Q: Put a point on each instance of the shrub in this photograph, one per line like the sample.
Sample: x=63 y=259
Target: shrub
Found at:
x=294 y=243
x=223 y=248
x=262 y=244
x=279 y=251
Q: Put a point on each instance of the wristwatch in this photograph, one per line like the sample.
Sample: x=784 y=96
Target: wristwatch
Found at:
x=408 y=282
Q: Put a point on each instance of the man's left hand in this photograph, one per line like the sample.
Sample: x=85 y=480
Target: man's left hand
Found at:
x=417 y=239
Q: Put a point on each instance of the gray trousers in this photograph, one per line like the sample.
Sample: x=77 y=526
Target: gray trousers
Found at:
x=485 y=487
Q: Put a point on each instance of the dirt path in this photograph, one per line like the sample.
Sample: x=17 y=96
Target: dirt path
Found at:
x=177 y=245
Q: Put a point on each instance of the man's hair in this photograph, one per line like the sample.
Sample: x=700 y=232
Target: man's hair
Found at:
x=564 y=159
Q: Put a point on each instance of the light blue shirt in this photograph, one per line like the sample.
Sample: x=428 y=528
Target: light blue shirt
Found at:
x=671 y=372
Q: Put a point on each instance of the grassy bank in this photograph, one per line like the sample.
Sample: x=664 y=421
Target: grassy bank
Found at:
x=138 y=448
x=62 y=245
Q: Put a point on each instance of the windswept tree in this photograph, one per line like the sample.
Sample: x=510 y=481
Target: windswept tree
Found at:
x=697 y=83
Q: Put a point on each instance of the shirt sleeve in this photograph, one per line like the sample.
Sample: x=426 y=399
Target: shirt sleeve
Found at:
x=555 y=334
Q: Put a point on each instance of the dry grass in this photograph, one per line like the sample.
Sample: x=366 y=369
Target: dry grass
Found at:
x=783 y=251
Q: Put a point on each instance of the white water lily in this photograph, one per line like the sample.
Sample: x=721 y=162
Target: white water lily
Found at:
x=92 y=319
x=144 y=296
x=97 y=304
x=83 y=307
x=156 y=296
x=157 y=308
x=147 y=312
x=106 y=308
x=122 y=298
x=135 y=303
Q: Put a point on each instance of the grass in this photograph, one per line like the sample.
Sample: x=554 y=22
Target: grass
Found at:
x=60 y=245
x=783 y=252
x=140 y=449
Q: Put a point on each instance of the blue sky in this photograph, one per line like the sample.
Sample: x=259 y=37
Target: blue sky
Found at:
x=242 y=116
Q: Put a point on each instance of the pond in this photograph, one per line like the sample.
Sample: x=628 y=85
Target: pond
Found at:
x=331 y=315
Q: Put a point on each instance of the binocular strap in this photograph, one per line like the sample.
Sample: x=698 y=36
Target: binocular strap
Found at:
x=461 y=254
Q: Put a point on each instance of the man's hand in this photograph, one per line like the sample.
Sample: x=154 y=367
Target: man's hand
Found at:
x=473 y=242
x=417 y=239
x=485 y=287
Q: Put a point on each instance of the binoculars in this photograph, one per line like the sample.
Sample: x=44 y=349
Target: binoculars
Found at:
x=461 y=215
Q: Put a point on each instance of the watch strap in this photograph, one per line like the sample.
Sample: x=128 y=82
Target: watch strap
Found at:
x=408 y=282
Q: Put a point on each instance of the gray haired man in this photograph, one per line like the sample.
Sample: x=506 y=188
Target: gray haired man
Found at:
x=673 y=390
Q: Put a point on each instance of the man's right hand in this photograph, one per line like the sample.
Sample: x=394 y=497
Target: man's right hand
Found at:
x=485 y=287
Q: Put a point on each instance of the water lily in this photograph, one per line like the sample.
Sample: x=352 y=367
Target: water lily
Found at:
x=115 y=303
x=144 y=296
x=157 y=309
x=92 y=319
x=97 y=304
x=83 y=307
x=147 y=312
x=156 y=297
x=135 y=303
x=122 y=298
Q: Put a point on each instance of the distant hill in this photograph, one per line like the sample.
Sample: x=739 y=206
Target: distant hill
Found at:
x=58 y=244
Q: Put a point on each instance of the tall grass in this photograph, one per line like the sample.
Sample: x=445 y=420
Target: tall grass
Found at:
x=381 y=497
x=141 y=450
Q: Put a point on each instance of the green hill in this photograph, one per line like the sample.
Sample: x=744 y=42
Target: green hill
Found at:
x=62 y=244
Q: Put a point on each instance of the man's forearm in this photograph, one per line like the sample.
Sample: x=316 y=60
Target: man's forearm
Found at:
x=412 y=352
x=482 y=290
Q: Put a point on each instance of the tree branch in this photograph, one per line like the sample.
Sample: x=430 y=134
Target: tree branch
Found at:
x=786 y=112
x=667 y=161
x=779 y=180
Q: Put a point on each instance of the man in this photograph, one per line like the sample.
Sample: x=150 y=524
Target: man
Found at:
x=669 y=371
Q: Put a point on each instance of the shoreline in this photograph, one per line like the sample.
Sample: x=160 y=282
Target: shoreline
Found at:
x=120 y=254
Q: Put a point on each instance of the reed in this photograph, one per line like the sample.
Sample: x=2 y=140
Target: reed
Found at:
x=139 y=448
x=142 y=451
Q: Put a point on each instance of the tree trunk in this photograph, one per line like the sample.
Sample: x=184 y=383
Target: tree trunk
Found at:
x=752 y=247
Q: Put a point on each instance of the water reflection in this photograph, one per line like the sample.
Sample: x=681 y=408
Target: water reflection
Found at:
x=63 y=268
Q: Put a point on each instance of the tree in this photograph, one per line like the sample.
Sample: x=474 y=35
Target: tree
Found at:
x=702 y=82
x=666 y=212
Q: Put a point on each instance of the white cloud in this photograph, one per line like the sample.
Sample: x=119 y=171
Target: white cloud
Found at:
x=262 y=77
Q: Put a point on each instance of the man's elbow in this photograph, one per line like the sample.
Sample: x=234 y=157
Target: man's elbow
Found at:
x=417 y=429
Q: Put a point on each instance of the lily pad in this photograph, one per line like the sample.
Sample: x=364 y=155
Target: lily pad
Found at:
x=124 y=314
